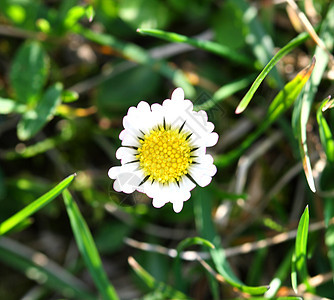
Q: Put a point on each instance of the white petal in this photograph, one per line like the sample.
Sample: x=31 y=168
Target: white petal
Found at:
x=128 y=182
x=212 y=139
x=126 y=154
x=178 y=94
x=158 y=202
x=177 y=206
x=114 y=171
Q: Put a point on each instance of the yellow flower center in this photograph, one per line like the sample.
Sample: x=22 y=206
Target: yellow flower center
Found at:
x=165 y=155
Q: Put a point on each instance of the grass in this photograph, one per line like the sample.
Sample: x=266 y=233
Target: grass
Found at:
x=262 y=229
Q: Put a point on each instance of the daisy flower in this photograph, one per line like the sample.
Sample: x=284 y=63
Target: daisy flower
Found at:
x=163 y=152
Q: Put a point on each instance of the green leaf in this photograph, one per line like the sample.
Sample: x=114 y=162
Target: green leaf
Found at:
x=210 y=46
x=37 y=266
x=165 y=291
x=29 y=72
x=33 y=120
x=326 y=136
x=87 y=248
x=207 y=230
x=284 y=99
x=8 y=106
x=301 y=38
x=35 y=206
x=299 y=255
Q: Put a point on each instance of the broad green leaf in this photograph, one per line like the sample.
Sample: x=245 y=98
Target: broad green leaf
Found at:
x=284 y=99
x=304 y=103
x=34 y=119
x=35 y=206
x=210 y=46
x=206 y=228
x=137 y=54
x=8 y=106
x=301 y=38
x=326 y=136
x=299 y=256
x=87 y=248
x=38 y=267
x=29 y=72
x=164 y=290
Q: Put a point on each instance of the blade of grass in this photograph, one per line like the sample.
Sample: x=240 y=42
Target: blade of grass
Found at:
x=280 y=104
x=299 y=255
x=40 y=268
x=301 y=38
x=225 y=91
x=210 y=46
x=88 y=249
x=138 y=55
x=35 y=206
x=165 y=290
x=206 y=229
x=304 y=104
x=326 y=136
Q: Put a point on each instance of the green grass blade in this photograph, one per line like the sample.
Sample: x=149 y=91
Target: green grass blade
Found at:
x=35 y=206
x=225 y=91
x=206 y=229
x=138 y=55
x=33 y=120
x=299 y=256
x=210 y=46
x=41 y=269
x=280 y=104
x=326 y=136
x=301 y=38
x=88 y=249
x=164 y=290
x=304 y=104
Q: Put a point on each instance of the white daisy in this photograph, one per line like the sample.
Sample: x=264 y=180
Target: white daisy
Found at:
x=163 y=151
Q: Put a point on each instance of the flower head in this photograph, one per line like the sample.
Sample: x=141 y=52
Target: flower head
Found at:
x=163 y=151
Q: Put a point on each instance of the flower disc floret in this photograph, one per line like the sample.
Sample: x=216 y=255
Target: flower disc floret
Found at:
x=165 y=155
